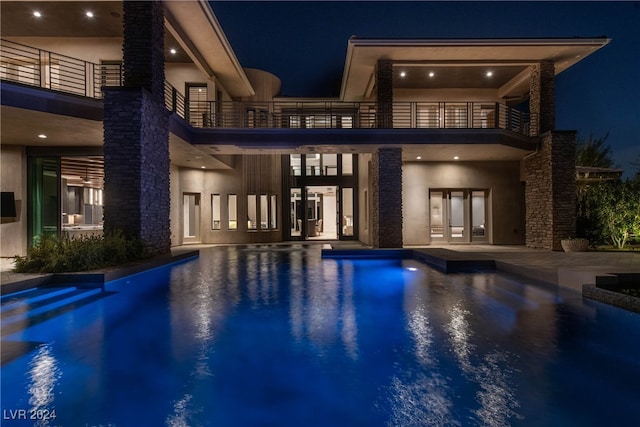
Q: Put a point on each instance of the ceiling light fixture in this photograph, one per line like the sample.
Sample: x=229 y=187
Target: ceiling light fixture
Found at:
x=456 y=157
x=489 y=73
x=403 y=73
x=203 y=167
x=37 y=14
x=419 y=158
x=173 y=51
x=431 y=74
x=89 y=14
x=42 y=136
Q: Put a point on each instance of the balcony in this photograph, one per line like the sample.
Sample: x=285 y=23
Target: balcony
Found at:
x=357 y=115
x=39 y=68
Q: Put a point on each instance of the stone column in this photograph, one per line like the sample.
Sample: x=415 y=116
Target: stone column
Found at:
x=550 y=192
x=136 y=134
x=542 y=98
x=384 y=93
x=386 y=198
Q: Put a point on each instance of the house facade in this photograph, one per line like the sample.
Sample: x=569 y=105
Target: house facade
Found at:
x=138 y=116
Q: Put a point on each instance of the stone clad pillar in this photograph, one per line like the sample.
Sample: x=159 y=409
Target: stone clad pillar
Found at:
x=384 y=94
x=386 y=198
x=542 y=98
x=136 y=134
x=550 y=192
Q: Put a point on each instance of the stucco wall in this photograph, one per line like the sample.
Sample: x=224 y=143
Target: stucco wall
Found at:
x=250 y=175
x=506 y=200
x=13 y=233
x=91 y=49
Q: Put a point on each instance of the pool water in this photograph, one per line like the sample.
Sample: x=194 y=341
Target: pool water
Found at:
x=277 y=336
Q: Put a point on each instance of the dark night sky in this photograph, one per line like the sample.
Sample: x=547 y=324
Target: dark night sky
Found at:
x=304 y=43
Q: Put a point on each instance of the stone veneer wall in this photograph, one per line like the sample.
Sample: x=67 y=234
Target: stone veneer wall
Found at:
x=542 y=98
x=386 y=198
x=384 y=93
x=550 y=193
x=136 y=134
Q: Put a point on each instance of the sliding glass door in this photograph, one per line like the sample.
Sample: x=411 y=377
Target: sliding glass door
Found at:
x=458 y=215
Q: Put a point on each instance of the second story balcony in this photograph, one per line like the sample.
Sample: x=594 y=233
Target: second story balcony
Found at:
x=357 y=115
x=35 y=67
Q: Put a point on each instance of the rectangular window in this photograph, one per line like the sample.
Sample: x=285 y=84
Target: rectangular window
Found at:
x=232 y=202
x=197 y=103
x=274 y=212
x=252 y=212
x=347 y=164
x=347 y=211
x=295 y=161
x=191 y=206
x=264 y=212
x=215 y=212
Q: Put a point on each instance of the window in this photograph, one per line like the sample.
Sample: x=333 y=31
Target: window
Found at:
x=215 y=212
x=197 y=104
x=232 y=202
x=252 y=211
x=295 y=162
x=274 y=212
x=264 y=212
x=347 y=164
x=191 y=206
x=347 y=211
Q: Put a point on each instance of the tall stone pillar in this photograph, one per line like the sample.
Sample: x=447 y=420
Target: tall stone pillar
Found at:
x=386 y=198
x=542 y=98
x=136 y=134
x=384 y=93
x=550 y=192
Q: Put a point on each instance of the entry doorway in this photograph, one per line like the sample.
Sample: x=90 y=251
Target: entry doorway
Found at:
x=315 y=217
x=458 y=215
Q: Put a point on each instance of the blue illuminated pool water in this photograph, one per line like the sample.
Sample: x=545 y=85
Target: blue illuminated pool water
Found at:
x=276 y=336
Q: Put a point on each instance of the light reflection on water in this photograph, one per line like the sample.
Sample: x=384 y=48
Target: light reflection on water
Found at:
x=264 y=335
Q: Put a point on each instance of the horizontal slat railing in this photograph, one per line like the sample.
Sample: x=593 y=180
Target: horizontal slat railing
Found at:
x=40 y=68
x=342 y=115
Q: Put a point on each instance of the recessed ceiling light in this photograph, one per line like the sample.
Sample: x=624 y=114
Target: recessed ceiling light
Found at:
x=431 y=74
x=403 y=73
x=419 y=158
x=42 y=136
x=203 y=167
x=37 y=14
x=489 y=73
x=173 y=51
x=89 y=14
x=455 y=157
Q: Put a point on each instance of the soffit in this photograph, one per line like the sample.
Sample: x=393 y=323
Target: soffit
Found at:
x=510 y=56
x=190 y=25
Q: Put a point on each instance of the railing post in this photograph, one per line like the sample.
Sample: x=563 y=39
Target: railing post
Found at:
x=174 y=99
x=499 y=114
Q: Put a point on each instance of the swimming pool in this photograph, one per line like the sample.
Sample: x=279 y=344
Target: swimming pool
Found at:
x=277 y=336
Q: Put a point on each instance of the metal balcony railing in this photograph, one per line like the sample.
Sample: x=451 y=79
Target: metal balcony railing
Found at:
x=40 y=68
x=344 y=115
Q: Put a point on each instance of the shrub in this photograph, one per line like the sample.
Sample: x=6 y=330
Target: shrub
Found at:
x=67 y=254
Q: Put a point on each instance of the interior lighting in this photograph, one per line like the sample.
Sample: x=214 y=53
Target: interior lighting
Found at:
x=173 y=51
x=42 y=136
x=89 y=14
x=403 y=74
x=37 y=14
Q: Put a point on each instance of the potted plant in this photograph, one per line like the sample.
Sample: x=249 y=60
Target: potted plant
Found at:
x=572 y=244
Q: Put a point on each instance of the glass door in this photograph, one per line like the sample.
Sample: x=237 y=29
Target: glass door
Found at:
x=191 y=221
x=457 y=230
x=45 y=208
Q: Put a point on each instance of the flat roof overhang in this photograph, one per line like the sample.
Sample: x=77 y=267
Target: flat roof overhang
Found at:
x=512 y=56
x=430 y=144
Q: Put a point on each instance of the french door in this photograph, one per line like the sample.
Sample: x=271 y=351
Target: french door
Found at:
x=458 y=215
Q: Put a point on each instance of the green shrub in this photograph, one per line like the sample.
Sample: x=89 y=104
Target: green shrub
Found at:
x=66 y=254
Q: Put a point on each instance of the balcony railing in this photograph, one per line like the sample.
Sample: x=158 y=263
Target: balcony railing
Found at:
x=40 y=68
x=344 y=115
